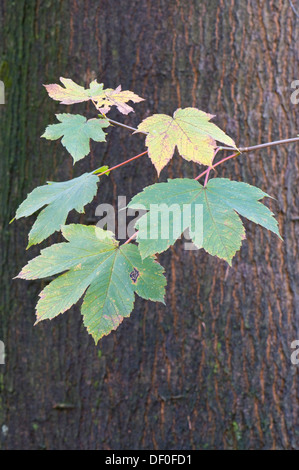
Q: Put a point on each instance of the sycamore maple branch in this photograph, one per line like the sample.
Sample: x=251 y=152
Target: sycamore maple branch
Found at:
x=207 y=171
x=106 y=303
x=241 y=149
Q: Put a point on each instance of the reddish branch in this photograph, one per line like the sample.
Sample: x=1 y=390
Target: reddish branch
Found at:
x=206 y=172
x=120 y=164
x=131 y=238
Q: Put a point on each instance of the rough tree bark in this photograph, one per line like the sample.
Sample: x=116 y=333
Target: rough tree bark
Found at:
x=212 y=369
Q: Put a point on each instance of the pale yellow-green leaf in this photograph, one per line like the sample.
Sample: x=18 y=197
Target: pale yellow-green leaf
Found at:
x=103 y=98
x=190 y=130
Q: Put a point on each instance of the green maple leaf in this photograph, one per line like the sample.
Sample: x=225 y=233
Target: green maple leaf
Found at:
x=95 y=264
x=104 y=98
x=221 y=231
x=189 y=130
x=60 y=199
x=76 y=132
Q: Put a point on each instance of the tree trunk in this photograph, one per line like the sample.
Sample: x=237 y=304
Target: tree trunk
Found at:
x=212 y=369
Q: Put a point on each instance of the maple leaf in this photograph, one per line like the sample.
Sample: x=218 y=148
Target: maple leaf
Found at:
x=95 y=264
x=73 y=93
x=173 y=209
x=189 y=130
x=60 y=199
x=76 y=132
x=118 y=98
x=104 y=98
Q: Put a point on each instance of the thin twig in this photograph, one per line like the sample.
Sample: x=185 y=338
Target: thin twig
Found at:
x=124 y=125
x=207 y=176
x=131 y=238
x=216 y=164
x=210 y=167
x=247 y=149
x=261 y=146
x=116 y=122
x=120 y=164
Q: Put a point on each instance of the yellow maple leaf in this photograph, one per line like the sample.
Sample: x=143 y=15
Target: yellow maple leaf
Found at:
x=190 y=130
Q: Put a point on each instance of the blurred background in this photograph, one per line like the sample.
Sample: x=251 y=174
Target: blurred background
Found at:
x=212 y=368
